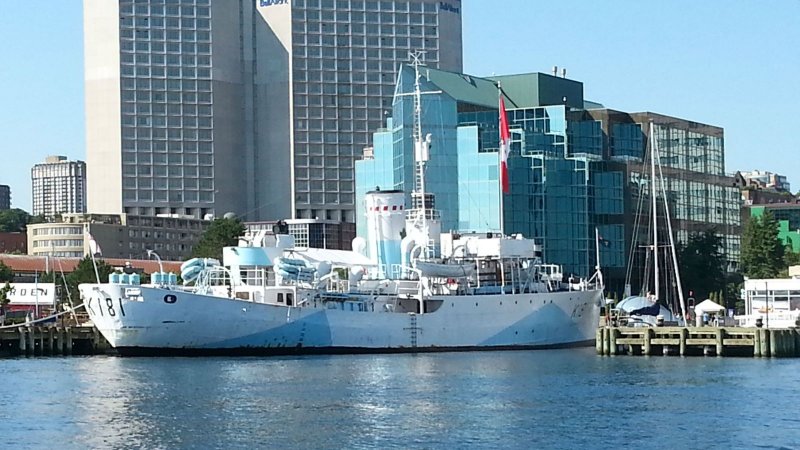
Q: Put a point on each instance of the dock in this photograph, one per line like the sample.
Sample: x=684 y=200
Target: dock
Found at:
x=52 y=341
x=698 y=341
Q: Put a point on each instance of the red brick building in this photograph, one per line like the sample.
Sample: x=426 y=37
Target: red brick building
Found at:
x=16 y=242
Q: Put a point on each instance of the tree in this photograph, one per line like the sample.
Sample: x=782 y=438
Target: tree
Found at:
x=84 y=273
x=6 y=274
x=790 y=257
x=13 y=220
x=221 y=233
x=702 y=264
x=762 y=250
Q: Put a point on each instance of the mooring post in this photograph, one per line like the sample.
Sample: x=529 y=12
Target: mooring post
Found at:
x=720 y=340
x=59 y=341
x=22 y=341
x=68 y=341
x=773 y=343
x=790 y=345
x=598 y=340
x=765 y=344
x=757 y=343
x=646 y=344
x=607 y=341
x=31 y=342
x=684 y=333
x=613 y=340
x=50 y=339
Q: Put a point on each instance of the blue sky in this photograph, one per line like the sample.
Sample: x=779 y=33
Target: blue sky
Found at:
x=730 y=64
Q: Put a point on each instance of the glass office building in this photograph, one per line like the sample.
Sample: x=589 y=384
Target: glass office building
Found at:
x=574 y=167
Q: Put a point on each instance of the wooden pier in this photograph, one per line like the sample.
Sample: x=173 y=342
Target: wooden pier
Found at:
x=52 y=341
x=698 y=341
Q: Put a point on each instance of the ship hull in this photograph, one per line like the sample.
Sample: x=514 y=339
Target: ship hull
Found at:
x=154 y=321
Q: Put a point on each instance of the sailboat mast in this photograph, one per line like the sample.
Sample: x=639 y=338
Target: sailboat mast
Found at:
x=654 y=210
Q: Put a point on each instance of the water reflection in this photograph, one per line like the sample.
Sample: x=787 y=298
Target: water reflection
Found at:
x=553 y=399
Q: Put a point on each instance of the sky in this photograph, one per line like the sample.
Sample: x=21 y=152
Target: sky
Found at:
x=729 y=64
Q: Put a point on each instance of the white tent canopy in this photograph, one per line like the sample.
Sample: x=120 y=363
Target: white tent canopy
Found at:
x=707 y=306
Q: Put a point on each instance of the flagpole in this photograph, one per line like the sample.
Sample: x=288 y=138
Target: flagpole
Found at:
x=502 y=157
x=92 y=248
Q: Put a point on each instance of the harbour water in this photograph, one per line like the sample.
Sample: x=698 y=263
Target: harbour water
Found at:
x=518 y=399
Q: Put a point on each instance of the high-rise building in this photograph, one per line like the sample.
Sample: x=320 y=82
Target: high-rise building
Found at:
x=5 y=196
x=257 y=107
x=574 y=167
x=59 y=186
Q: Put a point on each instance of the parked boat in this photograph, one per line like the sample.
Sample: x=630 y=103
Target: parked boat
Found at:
x=661 y=297
x=407 y=287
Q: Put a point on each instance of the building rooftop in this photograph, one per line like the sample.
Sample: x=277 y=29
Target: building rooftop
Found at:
x=524 y=90
x=30 y=264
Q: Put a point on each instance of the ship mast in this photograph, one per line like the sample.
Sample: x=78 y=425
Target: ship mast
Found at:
x=421 y=201
x=653 y=206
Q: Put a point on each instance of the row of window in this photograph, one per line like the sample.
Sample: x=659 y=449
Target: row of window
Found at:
x=368 y=5
x=167 y=121
x=163 y=97
x=318 y=198
x=58 y=243
x=167 y=196
x=169 y=9
x=156 y=24
x=145 y=170
x=171 y=146
x=168 y=59
x=163 y=109
x=162 y=87
x=147 y=36
x=315 y=172
x=165 y=183
x=54 y=231
x=168 y=47
x=187 y=73
x=357 y=29
x=188 y=160
x=169 y=235
x=189 y=134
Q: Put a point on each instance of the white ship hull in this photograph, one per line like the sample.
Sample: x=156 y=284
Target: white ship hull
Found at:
x=149 y=320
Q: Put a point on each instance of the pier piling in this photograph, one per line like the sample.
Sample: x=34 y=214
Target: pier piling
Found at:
x=718 y=341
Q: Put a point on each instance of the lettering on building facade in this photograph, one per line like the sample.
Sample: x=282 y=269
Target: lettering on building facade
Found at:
x=273 y=2
x=444 y=6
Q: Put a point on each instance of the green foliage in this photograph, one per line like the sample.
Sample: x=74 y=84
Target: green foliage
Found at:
x=702 y=265
x=762 y=250
x=790 y=258
x=6 y=274
x=221 y=233
x=84 y=273
x=4 y=300
x=13 y=220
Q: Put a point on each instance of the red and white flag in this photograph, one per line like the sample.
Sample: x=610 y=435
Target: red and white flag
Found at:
x=505 y=147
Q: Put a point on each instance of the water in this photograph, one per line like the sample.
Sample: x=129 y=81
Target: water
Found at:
x=534 y=399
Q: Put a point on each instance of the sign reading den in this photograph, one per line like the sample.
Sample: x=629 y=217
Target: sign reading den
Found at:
x=32 y=294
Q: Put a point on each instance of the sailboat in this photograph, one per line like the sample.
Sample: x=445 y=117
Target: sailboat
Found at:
x=661 y=293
